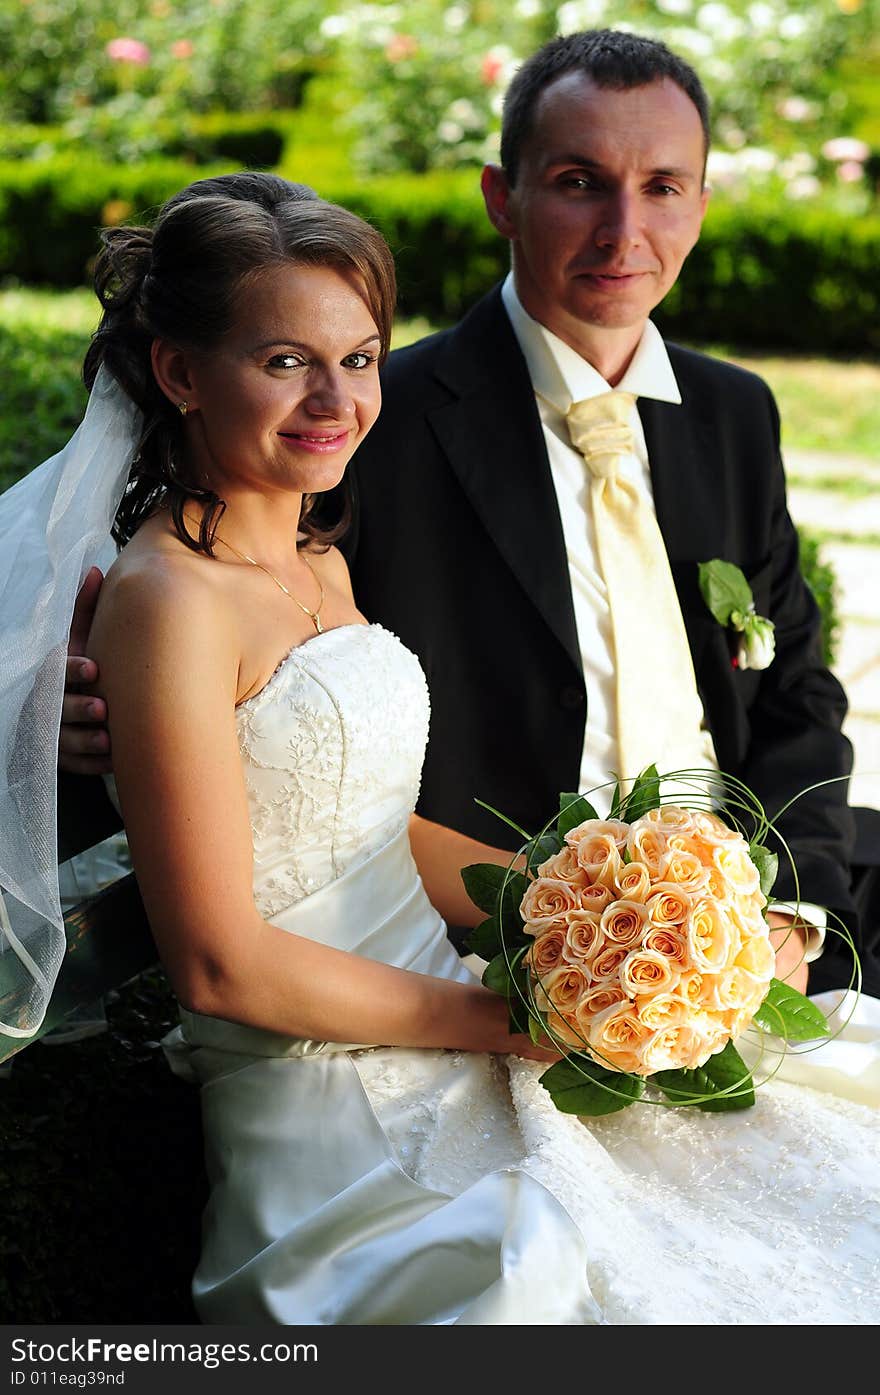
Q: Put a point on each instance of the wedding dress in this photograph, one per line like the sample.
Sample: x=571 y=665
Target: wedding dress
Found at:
x=378 y=1186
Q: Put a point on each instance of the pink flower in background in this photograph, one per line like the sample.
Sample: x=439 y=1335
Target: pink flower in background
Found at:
x=183 y=48
x=850 y=171
x=846 y=148
x=128 y=51
x=401 y=46
x=491 y=69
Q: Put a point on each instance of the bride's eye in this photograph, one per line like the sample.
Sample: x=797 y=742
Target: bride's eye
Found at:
x=359 y=359
x=284 y=361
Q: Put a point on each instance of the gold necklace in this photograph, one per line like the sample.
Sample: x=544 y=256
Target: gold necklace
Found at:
x=314 y=615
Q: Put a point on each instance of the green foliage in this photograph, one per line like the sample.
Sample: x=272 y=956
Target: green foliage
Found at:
x=580 y=1086
x=787 y=1013
x=42 y=343
x=761 y=275
x=821 y=579
x=55 y=64
x=723 y=1083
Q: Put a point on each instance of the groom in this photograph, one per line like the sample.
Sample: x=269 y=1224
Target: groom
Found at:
x=473 y=537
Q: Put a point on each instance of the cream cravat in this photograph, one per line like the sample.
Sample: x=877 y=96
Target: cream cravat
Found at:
x=655 y=684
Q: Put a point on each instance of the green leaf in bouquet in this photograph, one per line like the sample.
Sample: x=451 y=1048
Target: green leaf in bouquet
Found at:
x=498 y=891
x=485 y=939
x=643 y=797
x=574 y=810
x=724 y=589
x=536 y=1028
x=616 y=803
x=587 y=1088
x=725 y=1071
x=787 y=1013
x=498 y=976
x=767 y=863
x=540 y=848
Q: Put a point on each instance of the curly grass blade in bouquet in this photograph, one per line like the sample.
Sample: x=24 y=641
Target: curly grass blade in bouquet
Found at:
x=638 y=945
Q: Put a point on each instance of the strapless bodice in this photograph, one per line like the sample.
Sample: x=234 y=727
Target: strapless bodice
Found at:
x=332 y=749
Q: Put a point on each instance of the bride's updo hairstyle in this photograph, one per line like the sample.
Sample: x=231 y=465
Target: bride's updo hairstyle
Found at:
x=182 y=280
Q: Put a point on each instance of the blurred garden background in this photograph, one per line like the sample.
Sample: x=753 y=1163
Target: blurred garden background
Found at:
x=107 y=107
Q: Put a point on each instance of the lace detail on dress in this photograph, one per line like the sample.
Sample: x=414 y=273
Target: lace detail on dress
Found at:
x=756 y=1216
x=332 y=748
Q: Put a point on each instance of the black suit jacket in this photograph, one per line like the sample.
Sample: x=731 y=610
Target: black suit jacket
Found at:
x=457 y=546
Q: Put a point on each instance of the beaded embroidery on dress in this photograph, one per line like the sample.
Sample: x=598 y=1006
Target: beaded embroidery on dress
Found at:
x=393 y=1186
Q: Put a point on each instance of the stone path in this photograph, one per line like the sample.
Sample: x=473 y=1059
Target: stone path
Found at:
x=857 y=567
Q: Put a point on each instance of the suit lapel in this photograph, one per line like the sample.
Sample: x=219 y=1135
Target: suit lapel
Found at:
x=491 y=435
x=688 y=496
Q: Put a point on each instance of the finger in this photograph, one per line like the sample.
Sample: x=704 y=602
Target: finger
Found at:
x=79 y=670
x=76 y=707
x=83 y=741
x=85 y=765
x=84 y=611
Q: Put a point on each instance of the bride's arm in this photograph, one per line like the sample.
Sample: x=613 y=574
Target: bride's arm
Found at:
x=168 y=658
x=440 y=854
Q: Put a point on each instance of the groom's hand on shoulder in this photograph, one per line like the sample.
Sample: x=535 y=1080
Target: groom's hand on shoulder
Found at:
x=83 y=741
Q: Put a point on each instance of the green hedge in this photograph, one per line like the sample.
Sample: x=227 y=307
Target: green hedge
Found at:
x=256 y=139
x=771 y=275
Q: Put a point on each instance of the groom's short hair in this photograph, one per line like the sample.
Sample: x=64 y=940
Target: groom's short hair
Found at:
x=612 y=59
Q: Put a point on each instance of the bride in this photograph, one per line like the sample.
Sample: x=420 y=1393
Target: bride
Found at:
x=378 y=1145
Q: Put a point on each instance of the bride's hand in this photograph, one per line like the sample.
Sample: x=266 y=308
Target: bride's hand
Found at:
x=522 y=1045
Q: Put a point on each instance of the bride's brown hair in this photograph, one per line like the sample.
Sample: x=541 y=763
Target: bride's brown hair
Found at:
x=181 y=280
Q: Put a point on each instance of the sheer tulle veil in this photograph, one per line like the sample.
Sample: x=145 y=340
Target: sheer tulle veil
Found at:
x=54 y=524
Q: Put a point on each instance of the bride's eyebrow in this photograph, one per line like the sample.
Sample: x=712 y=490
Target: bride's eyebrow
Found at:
x=307 y=348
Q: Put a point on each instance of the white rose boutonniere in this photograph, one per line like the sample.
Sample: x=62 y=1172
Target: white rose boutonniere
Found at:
x=729 y=597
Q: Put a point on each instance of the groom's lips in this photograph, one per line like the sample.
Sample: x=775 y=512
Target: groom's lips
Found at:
x=318 y=442
x=612 y=280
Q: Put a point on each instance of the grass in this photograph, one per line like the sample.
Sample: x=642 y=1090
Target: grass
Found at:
x=826 y=404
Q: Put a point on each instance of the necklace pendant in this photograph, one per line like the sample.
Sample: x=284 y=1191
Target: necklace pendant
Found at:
x=318 y=626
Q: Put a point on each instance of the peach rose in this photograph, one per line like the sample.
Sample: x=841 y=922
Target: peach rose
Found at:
x=644 y=971
x=618 y=1039
x=595 y=898
x=606 y=964
x=708 y=936
x=564 y=867
x=684 y=869
x=623 y=922
x=599 y=828
x=560 y=989
x=734 y=991
x=661 y=1010
x=545 y=902
x=668 y=905
x=634 y=882
x=737 y=868
x=583 y=937
x=691 y=987
x=596 y=1000
x=647 y=844
x=670 y=944
x=564 y=1030
x=757 y=957
x=548 y=951
x=677 y=1047
x=671 y=818
x=600 y=858
x=715 y=830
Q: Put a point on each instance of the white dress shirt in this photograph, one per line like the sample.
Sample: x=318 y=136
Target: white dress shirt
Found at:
x=560 y=376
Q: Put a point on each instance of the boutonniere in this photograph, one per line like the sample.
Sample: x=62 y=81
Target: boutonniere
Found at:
x=729 y=597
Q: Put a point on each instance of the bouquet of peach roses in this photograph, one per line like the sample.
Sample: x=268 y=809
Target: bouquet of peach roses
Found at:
x=638 y=945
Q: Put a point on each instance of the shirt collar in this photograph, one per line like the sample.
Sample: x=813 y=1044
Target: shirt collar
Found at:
x=561 y=376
